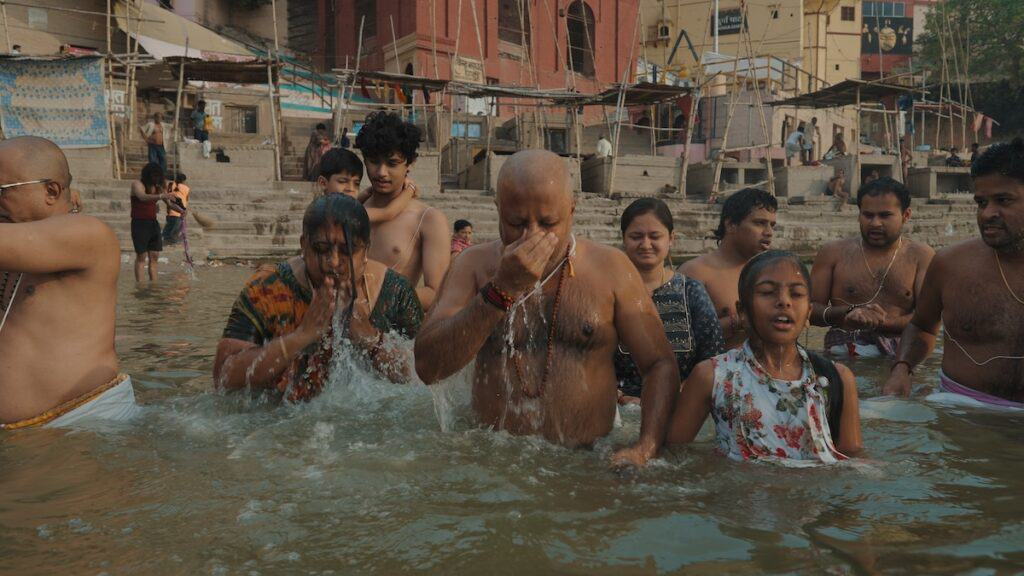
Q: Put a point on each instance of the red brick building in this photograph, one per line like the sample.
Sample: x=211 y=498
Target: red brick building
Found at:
x=551 y=44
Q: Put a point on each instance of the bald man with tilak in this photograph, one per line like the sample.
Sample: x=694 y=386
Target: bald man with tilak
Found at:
x=541 y=312
x=58 y=294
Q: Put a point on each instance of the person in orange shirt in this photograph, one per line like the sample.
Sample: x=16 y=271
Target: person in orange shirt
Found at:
x=180 y=193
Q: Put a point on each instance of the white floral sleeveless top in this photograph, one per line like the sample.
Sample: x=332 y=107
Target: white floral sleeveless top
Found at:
x=764 y=418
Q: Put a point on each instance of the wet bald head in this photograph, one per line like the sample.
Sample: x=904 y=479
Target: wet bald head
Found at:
x=535 y=171
x=33 y=158
x=534 y=195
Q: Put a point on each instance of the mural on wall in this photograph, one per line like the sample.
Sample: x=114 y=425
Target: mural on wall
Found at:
x=891 y=35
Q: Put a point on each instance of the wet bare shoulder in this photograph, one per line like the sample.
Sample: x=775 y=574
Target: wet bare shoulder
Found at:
x=920 y=250
x=696 y=268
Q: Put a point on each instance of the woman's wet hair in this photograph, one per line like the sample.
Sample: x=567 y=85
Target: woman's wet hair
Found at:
x=1004 y=158
x=152 y=175
x=385 y=133
x=643 y=206
x=740 y=204
x=757 y=265
x=338 y=210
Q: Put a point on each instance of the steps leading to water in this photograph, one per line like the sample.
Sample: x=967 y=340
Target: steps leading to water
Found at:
x=264 y=221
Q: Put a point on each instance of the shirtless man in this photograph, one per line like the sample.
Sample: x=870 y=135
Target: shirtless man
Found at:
x=58 y=293
x=745 y=229
x=415 y=243
x=153 y=133
x=865 y=289
x=529 y=379
x=975 y=290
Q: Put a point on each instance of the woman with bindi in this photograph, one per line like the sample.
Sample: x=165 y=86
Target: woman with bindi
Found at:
x=690 y=320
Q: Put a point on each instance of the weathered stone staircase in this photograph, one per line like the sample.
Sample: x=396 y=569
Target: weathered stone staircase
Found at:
x=264 y=221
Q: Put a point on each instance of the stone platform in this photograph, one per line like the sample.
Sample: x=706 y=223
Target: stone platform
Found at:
x=634 y=175
x=700 y=178
x=939 y=181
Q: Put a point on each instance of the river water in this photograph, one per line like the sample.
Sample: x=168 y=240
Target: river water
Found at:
x=364 y=481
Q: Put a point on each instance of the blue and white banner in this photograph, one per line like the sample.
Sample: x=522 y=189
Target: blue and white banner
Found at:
x=62 y=100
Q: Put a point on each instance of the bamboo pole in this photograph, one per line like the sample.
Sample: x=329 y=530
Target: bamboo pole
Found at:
x=7 y=32
x=355 y=75
x=856 y=142
x=694 y=107
x=177 y=110
x=271 y=84
x=621 y=102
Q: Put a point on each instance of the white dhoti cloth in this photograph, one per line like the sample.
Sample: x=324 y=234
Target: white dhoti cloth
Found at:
x=112 y=402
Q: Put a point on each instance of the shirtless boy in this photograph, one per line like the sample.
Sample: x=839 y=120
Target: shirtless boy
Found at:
x=416 y=242
x=975 y=291
x=865 y=288
x=745 y=229
x=58 y=294
x=558 y=382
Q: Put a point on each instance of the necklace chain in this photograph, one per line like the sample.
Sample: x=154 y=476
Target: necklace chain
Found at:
x=999 y=265
x=549 y=354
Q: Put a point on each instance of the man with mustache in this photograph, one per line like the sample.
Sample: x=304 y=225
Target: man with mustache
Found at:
x=864 y=289
x=975 y=291
x=416 y=243
x=745 y=229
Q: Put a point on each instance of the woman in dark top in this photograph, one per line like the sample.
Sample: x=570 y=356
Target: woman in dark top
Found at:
x=685 y=308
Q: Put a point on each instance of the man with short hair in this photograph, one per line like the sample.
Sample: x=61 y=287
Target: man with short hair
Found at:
x=58 y=297
x=836 y=188
x=974 y=291
x=745 y=229
x=864 y=289
x=416 y=242
x=153 y=134
x=542 y=313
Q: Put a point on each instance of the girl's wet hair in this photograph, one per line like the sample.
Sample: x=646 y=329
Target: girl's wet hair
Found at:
x=757 y=265
x=643 y=206
x=338 y=210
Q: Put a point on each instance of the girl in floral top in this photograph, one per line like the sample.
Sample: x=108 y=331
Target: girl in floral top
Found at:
x=767 y=398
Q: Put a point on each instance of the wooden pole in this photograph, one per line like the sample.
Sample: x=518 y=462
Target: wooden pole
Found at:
x=7 y=32
x=347 y=100
x=273 y=10
x=620 y=103
x=856 y=143
x=273 y=119
x=177 y=110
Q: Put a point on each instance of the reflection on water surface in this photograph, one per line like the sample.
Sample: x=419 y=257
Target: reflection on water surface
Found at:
x=363 y=480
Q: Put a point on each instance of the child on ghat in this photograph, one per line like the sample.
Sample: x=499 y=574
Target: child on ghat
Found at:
x=341 y=172
x=771 y=399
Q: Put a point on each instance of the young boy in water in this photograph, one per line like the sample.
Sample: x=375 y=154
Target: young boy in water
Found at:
x=341 y=172
x=771 y=399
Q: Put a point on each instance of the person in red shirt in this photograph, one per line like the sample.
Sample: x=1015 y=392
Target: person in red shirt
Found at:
x=463 y=237
x=146 y=192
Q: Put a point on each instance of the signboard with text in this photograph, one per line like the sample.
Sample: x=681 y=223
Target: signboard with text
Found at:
x=729 y=22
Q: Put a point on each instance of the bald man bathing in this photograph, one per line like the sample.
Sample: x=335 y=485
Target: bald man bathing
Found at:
x=542 y=312
x=974 y=290
x=58 y=293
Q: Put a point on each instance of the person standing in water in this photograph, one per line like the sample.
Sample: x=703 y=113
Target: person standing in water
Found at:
x=279 y=335
x=147 y=239
x=745 y=229
x=58 y=298
x=771 y=399
x=545 y=352
x=865 y=288
x=974 y=291
x=416 y=242
x=686 y=310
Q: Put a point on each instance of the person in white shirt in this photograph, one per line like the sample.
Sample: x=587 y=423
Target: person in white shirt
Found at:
x=604 y=147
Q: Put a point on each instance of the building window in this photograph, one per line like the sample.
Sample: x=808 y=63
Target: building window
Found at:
x=514 y=21
x=243 y=119
x=882 y=9
x=848 y=14
x=471 y=130
x=581 y=38
x=367 y=8
x=555 y=140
